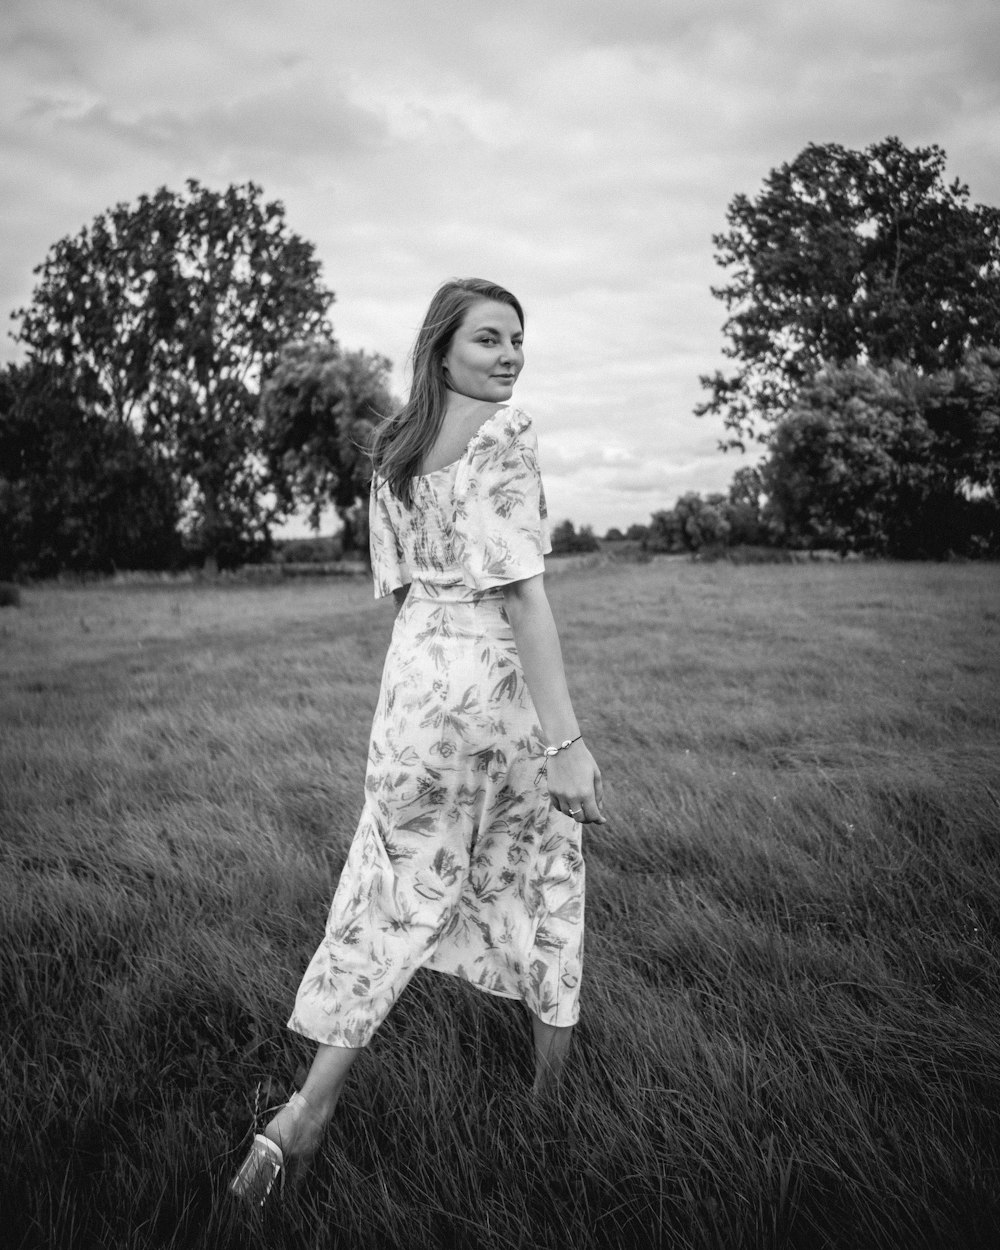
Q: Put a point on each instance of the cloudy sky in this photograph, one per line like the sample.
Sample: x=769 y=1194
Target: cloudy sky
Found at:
x=581 y=152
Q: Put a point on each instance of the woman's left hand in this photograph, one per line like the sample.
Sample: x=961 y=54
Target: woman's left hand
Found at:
x=575 y=785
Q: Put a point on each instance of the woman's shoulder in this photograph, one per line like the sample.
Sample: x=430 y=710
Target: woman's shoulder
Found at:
x=503 y=452
x=498 y=432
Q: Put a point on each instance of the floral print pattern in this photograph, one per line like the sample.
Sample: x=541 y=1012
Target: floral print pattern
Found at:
x=476 y=524
x=459 y=863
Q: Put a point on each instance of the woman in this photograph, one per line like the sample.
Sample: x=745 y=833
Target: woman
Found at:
x=467 y=855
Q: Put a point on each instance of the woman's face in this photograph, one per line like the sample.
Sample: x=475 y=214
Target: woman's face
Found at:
x=485 y=354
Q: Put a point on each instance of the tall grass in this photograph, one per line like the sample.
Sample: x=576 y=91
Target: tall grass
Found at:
x=790 y=1032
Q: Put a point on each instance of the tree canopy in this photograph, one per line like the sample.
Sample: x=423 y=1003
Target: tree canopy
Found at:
x=691 y=524
x=77 y=492
x=319 y=408
x=890 y=461
x=168 y=315
x=846 y=255
x=568 y=540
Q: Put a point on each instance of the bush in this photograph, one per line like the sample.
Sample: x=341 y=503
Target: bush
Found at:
x=310 y=550
x=890 y=461
x=78 y=493
x=746 y=553
x=567 y=540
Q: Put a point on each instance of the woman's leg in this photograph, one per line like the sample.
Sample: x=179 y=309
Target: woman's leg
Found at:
x=551 y=1052
x=298 y=1131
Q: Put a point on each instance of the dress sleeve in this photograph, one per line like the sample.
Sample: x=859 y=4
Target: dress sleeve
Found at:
x=389 y=568
x=501 y=522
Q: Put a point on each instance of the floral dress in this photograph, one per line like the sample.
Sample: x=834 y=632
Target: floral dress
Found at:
x=459 y=862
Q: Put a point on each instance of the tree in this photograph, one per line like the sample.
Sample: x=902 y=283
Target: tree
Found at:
x=168 y=315
x=745 y=508
x=746 y=489
x=963 y=412
x=701 y=522
x=78 y=492
x=890 y=461
x=848 y=255
x=586 y=539
x=567 y=539
x=319 y=408
x=663 y=534
x=614 y=535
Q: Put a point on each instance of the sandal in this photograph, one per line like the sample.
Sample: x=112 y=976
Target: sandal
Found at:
x=265 y=1162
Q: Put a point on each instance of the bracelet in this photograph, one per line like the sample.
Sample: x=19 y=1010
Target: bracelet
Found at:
x=550 y=751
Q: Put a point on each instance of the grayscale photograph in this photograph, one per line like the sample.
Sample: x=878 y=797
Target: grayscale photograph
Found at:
x=500 y=625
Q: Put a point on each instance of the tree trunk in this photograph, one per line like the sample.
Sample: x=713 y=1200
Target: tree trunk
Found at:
x=348 y=540
x=210 y=564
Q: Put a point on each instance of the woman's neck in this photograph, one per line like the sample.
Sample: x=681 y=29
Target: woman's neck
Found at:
x=459 y=407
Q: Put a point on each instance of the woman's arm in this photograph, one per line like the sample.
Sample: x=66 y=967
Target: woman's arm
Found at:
x=573 y=777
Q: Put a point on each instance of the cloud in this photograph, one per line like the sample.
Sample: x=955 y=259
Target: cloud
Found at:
x=580 y=152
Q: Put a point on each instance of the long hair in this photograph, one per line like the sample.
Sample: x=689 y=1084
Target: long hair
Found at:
x=403 y=440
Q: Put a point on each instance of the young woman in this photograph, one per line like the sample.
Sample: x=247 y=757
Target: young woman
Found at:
x=467 y=855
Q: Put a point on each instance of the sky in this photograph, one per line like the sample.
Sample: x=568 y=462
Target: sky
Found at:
x=580 y=152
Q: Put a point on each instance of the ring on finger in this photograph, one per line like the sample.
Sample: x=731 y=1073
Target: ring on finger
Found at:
x=575 y=811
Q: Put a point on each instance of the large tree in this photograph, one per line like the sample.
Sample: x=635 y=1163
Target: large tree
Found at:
x=168 y=314
x=319 y=408
x=78 y=492
x=846 y=255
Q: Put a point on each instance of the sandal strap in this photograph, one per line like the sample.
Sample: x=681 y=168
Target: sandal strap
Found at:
x=271 y=1148
x=299 y=1100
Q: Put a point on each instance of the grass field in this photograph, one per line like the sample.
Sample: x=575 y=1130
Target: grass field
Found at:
x=791 y=1031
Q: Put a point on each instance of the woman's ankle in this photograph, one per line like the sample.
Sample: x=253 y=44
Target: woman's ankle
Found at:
x=296 y=1127
x=320 y=1105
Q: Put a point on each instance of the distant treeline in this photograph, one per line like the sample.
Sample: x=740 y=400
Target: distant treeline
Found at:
x=887 y=462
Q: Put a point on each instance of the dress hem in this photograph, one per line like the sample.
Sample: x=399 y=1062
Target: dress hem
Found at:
x=445 y=972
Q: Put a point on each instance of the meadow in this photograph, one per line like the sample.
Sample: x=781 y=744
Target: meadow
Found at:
x=790 y=1033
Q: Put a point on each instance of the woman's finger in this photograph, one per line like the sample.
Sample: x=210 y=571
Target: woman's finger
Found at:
x=587 y=811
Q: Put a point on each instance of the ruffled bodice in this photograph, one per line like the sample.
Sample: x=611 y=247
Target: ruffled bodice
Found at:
x=474 y=526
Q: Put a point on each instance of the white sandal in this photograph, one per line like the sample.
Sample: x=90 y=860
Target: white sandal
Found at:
x=264 y=1163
